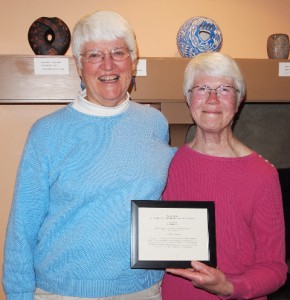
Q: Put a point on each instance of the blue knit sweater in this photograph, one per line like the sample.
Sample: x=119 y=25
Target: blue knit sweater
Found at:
x=69 y=227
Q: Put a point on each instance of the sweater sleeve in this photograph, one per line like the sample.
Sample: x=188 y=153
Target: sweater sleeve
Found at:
x=28 y=211
x=268 y=273
x=161 y=128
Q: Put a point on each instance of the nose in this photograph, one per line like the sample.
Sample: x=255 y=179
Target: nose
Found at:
x=212 y=96
x=213 y=91
x=108 y=61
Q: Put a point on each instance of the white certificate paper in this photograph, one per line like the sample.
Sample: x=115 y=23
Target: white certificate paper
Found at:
x=167 y=233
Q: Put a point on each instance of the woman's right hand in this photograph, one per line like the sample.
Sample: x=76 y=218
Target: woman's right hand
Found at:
x=206 y=278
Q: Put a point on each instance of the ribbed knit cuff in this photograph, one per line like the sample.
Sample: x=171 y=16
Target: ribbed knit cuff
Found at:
x=240 y=286
x=20 y=296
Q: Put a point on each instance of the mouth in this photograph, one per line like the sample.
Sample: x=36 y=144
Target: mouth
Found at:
x=109 y=78
x=211 y=112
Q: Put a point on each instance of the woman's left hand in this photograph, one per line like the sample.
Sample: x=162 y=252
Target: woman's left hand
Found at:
x=205 y=277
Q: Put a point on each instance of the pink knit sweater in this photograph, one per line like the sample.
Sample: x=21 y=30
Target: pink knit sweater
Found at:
x=250 y=229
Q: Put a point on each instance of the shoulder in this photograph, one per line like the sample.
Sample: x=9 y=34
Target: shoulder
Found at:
x=181 y=158
x=263 y=165
x=262 y=172
x=147 y=110
x=150 y=117
x=48 y=127
x=52 y=120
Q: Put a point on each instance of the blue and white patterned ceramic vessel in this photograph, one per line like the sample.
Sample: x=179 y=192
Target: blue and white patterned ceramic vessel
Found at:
x=197 y=35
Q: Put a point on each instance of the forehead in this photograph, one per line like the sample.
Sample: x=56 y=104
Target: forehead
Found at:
x=104 y=45
x=205 y=79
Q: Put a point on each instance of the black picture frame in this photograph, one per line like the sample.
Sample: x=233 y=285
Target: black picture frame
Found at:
x=189 y=208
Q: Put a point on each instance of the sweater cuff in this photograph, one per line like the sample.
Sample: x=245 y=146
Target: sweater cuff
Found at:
x=240 y=286
x=20 y=296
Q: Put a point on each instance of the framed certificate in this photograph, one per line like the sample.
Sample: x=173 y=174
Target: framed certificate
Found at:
x=170 y=234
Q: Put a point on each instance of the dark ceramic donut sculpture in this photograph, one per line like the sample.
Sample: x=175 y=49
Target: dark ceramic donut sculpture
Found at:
x=49 y=36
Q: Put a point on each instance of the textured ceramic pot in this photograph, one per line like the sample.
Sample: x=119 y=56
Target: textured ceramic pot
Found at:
x=278 y=46
x=197 y=35
x=49 y=36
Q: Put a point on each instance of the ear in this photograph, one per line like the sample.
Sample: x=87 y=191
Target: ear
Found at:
x=134 y=64
x=78 y=66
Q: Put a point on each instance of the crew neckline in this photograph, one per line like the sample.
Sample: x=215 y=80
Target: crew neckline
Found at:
x=213 y=157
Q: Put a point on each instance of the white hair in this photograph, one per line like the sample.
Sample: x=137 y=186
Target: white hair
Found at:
x=102 y=26
x=213 y=64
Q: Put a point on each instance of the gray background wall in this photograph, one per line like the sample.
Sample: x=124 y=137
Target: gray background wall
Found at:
x=266 y=129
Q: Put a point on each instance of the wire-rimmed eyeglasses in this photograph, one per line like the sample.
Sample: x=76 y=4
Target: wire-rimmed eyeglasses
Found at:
x=95 y=56
x=222 y=91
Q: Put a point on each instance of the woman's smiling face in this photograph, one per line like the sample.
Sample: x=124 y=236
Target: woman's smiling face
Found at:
x=107 y=81
x=213 y=113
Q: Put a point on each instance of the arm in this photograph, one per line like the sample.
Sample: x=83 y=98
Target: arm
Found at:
x=269 y=270
x=28 y=210
x=161 y=127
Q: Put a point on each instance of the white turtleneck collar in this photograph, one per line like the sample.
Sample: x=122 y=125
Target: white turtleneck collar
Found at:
x=87 y=107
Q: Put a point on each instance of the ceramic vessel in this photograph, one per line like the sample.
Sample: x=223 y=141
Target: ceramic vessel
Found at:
x=278 y=46
x=49 y=36
x=197 y=35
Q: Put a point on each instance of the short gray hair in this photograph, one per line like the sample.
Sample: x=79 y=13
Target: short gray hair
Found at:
x=102 y=26
x=213 y=64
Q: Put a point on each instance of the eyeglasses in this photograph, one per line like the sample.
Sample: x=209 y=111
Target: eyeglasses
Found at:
x=222 y=91
x=95 y=56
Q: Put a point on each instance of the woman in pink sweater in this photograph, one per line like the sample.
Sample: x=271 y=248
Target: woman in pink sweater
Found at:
x=215 y=166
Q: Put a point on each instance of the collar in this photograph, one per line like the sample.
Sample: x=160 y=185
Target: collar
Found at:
x=87 y=107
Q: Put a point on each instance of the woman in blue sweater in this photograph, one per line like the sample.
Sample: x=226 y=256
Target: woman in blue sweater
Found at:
x=69 y=228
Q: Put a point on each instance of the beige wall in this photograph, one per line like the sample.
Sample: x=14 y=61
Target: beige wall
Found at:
x=245 y=24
